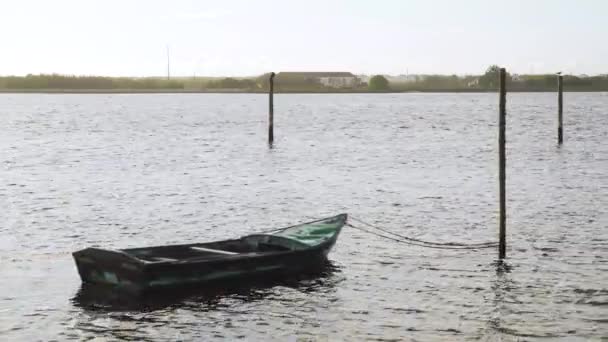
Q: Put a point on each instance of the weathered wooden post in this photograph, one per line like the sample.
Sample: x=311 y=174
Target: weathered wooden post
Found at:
x=560 y=109
x=271 y=110
x=502 y=113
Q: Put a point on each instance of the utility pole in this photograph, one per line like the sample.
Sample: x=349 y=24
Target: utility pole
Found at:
x=502 y=114
x=560 y=109
x=271 y=110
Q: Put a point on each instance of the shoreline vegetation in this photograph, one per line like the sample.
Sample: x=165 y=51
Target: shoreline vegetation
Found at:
x=300 y=82
x=240 y=91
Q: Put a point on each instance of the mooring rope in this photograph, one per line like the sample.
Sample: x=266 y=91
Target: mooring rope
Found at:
x=417 y=242
x=398 y=237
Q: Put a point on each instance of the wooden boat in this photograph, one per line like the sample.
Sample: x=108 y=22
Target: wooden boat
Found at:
x=290 y=250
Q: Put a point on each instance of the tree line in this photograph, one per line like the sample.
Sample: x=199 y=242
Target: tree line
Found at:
x=488 y=81
x=55 y=81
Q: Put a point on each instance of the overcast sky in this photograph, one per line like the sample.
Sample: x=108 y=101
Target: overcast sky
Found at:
x=249 y=37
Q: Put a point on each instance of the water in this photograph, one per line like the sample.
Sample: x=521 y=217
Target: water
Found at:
x=135 y=170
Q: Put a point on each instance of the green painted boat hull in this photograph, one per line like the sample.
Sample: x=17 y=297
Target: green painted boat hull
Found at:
x=296 y=249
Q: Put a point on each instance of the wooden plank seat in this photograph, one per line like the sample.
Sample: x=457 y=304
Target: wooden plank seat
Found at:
x=163 y=259
x=209 y=250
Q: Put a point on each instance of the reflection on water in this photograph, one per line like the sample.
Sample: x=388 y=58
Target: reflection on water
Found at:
x=501 y=288
x=103 y=298
x=219 y=310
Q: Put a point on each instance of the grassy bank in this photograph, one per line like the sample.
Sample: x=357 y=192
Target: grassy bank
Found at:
x=244 y=91
x=62 y=84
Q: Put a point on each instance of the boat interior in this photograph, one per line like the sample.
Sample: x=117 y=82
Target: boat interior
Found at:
x=252 y=244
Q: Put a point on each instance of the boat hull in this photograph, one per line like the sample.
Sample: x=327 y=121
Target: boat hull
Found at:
x=124 y=271
x=96 y=267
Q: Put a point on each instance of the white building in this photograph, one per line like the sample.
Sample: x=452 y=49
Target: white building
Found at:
x=474 y=83
x=328 y=79
x=344 y=80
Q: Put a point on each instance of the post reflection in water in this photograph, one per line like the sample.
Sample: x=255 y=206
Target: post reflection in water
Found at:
x=501 y=287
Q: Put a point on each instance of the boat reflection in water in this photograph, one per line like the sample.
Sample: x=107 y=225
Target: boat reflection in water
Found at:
x=99 y=297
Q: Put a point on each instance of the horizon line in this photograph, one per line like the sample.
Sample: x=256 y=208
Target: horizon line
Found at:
x=264 y=73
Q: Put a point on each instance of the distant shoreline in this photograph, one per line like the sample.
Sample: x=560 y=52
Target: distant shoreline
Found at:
x=241 y=91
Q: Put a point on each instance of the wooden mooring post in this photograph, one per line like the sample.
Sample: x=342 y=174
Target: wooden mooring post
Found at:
x=560 y=109
x=502 y=113
x=271 y=111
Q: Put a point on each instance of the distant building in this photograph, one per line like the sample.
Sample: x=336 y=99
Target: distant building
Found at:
x=474 y=83
x=516 y=78
x=328 y=79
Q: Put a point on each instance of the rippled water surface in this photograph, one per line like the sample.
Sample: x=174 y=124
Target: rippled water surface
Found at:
x=136 y=170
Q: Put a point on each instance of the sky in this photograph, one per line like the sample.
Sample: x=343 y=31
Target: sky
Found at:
x=250 y=37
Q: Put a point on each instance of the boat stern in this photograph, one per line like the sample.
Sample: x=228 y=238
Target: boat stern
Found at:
x=108 y=267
